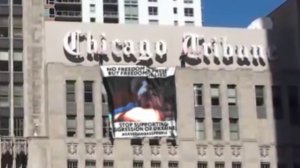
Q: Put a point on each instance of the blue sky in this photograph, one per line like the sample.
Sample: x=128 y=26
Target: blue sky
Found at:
x=235 y=13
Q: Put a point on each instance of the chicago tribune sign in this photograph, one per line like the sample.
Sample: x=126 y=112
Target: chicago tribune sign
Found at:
x=195 y=50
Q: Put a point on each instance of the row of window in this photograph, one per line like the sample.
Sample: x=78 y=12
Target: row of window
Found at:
x=18 y=126
x=90 y=164
x=157 y=164
x=16 y=2
x=4 y=94
x=260 y=99
x=89 y=123
x=200 y=130
x=215 y=95
x=187 y=23
x=234 y=130
x=153 y=11
x=17 y=26
x=185 y=1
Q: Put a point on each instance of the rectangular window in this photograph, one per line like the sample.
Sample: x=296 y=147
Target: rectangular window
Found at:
x=4 y=20
x=277 y=104
x=152 y=10
x=131 y=12
x=200 y=128
x=18 y=60
x=18 y=126
x=90 y=164
x=71 y=125
x=153 y=22
x=17 y=27
x=173 y=164
x=215 y=95
x=88 y=91
x=293 y=104
x=18 y=2
x=4 y=99
x=188 y=12
x=3 y=32
x=155 y=164
x=4 y=60
x=219 y=165
x=188 y=1
x=175 y=10
x=198 y=96
x=72 y=164
x=138 y=164
x=108 y=164
x=217 y=129
x=89 y=126
x=231 y=95
x=70 y=91
x=18 y=94
x=92 y=8
x=259 y=93
x=105 y=127
x=264 y=165
x=234 y=129
x=189 y=23
x=4 y=126
x=175 y=22
x=92 y=19
x=236 y=165
x=202 y=165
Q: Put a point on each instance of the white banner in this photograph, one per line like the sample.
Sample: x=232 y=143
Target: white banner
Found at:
x=137 y=71
x=145 y=129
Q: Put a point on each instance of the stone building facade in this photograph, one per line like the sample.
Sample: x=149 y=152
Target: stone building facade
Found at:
x=238 y=131
x=253 y=75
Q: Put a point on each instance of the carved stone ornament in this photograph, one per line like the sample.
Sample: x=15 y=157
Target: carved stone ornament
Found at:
x=90 y=148
x=36 y=127
x=137 y=150
x=201 y=150
x=21 y=146
x=172 y=150
x=236 y=150
x=155 y=150
x=72 y=148
x=107 y=149
x=264 y=150
x=6 y=146
x=219 y=150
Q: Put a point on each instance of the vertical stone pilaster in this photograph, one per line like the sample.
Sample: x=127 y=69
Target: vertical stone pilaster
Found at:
x=33 y=68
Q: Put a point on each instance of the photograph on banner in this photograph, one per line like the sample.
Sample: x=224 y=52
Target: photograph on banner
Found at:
x=142 y=100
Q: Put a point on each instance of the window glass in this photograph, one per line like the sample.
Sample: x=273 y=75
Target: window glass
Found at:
x=215 y=95
x=4 y=99
x=231 y=94
x=108 y=164
x=89 y=126
x=259 y=92
x=217 y=129
x=200 y=129
x=188 y=12
x=155 y=164
x=72 y=164
x=198 y=94
x=71 y=125
x=88 y=91
x=152 y=10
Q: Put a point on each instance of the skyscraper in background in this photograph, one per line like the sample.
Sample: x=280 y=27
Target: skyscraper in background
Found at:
x=166 y=12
